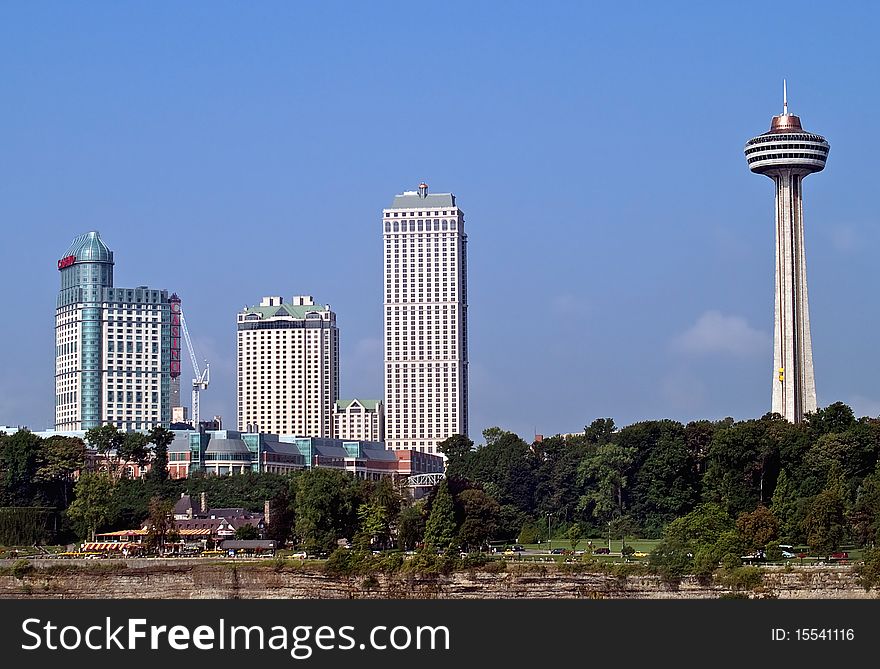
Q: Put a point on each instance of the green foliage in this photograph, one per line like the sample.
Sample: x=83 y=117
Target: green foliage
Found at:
x=160 y=524
x=741 y=578
x=604 y=476
x=246 y=532
x=440 y=530
x=161 y=440
x=663 y=479
x=25 y=526
x=671 y=560
x=326 y=507
x=92 y=507
x=824 y=521
x=600 y=431
x=704 y=525
x=529 y=533
x=373 y=523
x=411 y=526
x=480 y=518
x=757 y=528
x=249 y=490
x=19 y=462
x=457 y=449
x=742 y=463
x=785 y=507
x=869 y=570
x=865 y=515
x=59 y=459
x=837 y=417
x=772 y=552
x=495 y=567
x=21 y=568
x=574 y=534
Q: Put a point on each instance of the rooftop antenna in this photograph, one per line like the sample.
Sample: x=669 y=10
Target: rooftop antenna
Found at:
x=784 y=98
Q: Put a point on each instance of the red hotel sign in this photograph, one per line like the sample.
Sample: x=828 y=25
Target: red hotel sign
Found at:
x=67 y=261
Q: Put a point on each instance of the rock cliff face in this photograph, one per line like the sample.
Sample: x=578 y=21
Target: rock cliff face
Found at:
x=261 y=581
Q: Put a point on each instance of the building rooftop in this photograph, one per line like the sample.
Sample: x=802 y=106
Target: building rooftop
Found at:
x=90 y=246
x=414 y=200
x=370 y=405
x=286 y=309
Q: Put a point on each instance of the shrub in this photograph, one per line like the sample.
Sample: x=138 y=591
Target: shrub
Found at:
x=741 y=578
x=869 y=570
x=495 y=567
x=21 y=568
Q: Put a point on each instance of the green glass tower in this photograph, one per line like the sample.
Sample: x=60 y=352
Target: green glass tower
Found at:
x=112 y=345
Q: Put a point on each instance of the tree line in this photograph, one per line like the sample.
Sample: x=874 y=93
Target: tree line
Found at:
x=814 y=483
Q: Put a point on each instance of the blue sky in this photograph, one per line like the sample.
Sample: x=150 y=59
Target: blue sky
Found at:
x=620 y=252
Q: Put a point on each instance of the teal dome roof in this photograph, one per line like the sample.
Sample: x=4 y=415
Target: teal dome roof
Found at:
x=90 y=246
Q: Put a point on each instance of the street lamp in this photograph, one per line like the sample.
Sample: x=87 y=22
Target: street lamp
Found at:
x=549 y=540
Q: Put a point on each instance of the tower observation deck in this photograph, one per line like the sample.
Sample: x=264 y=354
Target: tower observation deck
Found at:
x=786 y=154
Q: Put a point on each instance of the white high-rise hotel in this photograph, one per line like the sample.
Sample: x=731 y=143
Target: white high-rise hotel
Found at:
x=288 y=367
x=426 y=357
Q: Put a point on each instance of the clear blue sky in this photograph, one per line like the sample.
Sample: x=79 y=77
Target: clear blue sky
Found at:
x=620 y=252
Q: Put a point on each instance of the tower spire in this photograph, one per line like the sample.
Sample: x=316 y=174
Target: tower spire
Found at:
x=784 y=98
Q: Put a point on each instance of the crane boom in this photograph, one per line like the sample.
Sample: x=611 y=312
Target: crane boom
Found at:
x=202 y=378
x=192 y=353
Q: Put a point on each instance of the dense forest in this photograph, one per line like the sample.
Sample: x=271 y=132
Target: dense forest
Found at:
x=708 y=489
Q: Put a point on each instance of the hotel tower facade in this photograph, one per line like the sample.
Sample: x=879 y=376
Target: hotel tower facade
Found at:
x=425 y=337
x=116 y=349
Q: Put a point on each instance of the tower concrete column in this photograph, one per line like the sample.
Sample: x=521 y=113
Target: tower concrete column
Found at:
x=786 y=154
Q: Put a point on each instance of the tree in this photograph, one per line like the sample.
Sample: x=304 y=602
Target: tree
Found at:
x=107 y=440
x=440 y=528
x=663 y=480
x=246 y=532
x=326 y=507
x=161 y=440
x=743 y=462
x=865 y=516
x=604 y=476
x=373 y=522
x=134 y=449
x=457 y=450
x=479 y=518
x=160 y=524
x=282 y=514
x=824 y=523
x=600 y=431
x=491 y=435
x=91 y=507
x=411 y=526
x=784 y=507
x=574 y=534
x=59 y=459
x=757 y=528
x=19 y=460
x=837 y=417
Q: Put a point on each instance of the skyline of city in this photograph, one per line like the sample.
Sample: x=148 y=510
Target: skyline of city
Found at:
x=227 y=173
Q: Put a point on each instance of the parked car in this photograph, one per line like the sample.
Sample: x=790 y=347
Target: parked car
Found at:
x=840 y=555
x=517 y=548
x=601 y=551
x=557 y=551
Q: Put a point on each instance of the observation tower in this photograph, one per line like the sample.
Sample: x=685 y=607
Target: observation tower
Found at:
x=786 y=154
